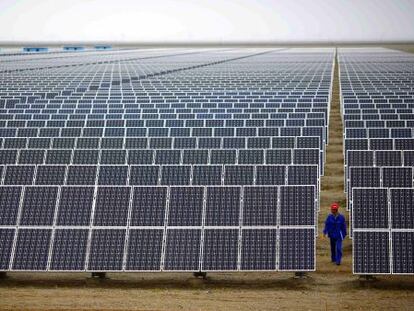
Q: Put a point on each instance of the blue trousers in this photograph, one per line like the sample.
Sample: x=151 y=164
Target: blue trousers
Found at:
x=336 y=250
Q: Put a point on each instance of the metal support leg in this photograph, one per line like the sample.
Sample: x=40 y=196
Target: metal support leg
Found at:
x=200 y=274
x=300 y=275
x=367 y=278
x=98 y=275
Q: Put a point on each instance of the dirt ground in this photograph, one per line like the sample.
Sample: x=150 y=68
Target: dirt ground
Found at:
x=330 y=288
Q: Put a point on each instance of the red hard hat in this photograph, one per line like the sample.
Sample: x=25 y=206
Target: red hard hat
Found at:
x=335 y=206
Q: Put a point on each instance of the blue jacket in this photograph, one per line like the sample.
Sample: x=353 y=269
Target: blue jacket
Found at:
x=335 y=227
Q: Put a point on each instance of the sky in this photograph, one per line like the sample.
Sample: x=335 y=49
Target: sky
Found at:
x=206 y=20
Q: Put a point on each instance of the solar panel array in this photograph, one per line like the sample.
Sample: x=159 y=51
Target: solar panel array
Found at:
x=378 y=113
x=162 y=160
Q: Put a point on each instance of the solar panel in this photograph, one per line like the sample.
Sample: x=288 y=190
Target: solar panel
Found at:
x=19 y=175
x=297 y=206
x=260 y=206
x=220 y=251
x=6 y=247
x=81 y=175
x=370 y=208
x=111 y=208
x=175 y=175
x=165 y=165
x=144 y=175
x=69 y=249
x=207 y=175
x=9 y=205
x=185 y=206
x=238 y=175
x=297 y=250
x=402 y=211
x=38 y=207
x=32 y=249
x=182 y=250
x=258 y=249
x=402 y=249
x=75 y=206
x=144 y=249
x=148 y=206
x=106 y=250
x=371 y=252
x=222 y=206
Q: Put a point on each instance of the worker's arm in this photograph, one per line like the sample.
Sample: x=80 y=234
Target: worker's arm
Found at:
x=325 y=229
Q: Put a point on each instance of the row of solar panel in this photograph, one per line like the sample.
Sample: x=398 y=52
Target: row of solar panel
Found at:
x=377 y=116
x=383 y=101
x=117 y=118
x=179 y=106
x=116 y=114
x=157 y=249
x=64 y=65
x=383 y=252
x=389 y=132
x=81 y=89
x=160 y=175
x=158 y=206
x=378 y=144
x=14 y=98
x=379 y=123
x=140 y=114
x=142 y=68
x=160 y=124
x=142 y=90
x=263 y=142
x=162 y=133
x=363 y=109
x=160 y=156
x=378 y=158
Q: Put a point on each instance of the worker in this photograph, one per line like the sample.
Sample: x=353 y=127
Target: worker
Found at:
x=335 y=228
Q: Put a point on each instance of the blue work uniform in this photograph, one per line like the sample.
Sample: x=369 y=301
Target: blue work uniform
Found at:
x=335 y=228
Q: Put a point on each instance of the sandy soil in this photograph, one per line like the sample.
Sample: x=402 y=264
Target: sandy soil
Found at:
x=330 y=288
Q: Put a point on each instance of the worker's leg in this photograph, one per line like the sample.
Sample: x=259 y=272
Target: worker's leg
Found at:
x=333 y=250
x=338 y=251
